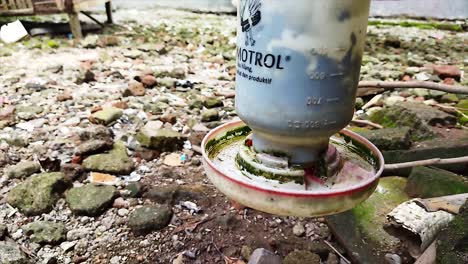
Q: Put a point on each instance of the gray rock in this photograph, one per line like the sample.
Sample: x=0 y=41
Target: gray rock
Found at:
x=177 y=73
x=420 y=92
x=148 y=47
x=93 y=146
x=38 y=194
x=45 y=232
x=162 y=139
x=35 y=86
x=67 y=245
x=95 y=132
x=393 y=100
x=263 y=256
x=149 y=218
x=210 y=115
x=301 y=256
x=167 y=82
x=115 y=162
x=389 y=138
x=122 y=212
x=415 y=62
x=23 y=169
x=72 y=171
x=28 y=112
x=90 y=199
x=106 y=116
x=176 y=193
x=10 y=253
x=156 y=108
x=332 y=259
x=132 y=54
x=422 y=76
x=90 y=41
x=162 y=194
x=79 y=233
x=298 y=229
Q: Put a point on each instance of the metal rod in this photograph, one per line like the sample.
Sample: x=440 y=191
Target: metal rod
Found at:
x=92 y=18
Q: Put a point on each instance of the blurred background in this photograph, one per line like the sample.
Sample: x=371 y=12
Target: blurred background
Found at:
x=453 y=9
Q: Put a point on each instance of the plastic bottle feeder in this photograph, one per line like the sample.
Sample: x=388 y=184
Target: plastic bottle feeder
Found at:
x=297 y=74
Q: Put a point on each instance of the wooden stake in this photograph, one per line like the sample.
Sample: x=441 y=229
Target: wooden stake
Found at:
x=436 y=161
x=75 y=26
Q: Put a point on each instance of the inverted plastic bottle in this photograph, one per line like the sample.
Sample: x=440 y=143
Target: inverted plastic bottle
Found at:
x=298 y=64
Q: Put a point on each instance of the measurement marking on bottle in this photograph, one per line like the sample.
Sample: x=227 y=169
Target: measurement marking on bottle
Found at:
x=323 y=51
x=335 y=74
x=314 y=100
x=318 y=75
x=306 y=124
x=319 y=51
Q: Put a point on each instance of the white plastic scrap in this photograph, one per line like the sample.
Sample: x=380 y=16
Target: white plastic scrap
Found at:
x=12 y=32
x=134 y=177
x=191 y=206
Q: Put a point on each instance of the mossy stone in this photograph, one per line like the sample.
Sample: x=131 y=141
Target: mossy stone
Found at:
x=45 y=232
x=107 y=115
x=162 y=139
x=419 y=117
x=196 y=104
x=389 y=138
x=361 y=229
x=90 y=199
x=115 y=162
x=37 y=194
x=449 y=98
x=23 y=169
x=210 y=115
x=149 y=218
x=425 y=182
x=301 y=256
x=11 y=253
x=213 y=102
x=452 y=244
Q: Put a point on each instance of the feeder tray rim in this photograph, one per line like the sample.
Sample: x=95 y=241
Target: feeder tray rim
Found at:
x=365 y=184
